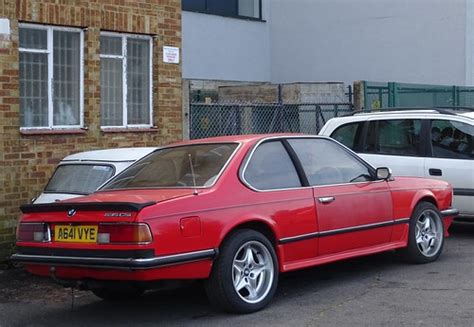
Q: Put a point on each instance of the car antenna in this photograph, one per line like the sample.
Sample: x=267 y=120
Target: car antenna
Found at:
x=195 y=191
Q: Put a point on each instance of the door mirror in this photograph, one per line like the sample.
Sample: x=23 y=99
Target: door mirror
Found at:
x=383 y=173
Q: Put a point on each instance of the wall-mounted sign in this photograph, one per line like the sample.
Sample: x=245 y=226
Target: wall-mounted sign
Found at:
x=171 y=55
x=5 y=26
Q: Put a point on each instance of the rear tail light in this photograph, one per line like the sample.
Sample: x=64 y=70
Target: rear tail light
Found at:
x=136 y=233
x=33 y=232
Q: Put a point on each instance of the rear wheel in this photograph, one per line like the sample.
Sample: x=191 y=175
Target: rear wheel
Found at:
x=118 y=294
x=245 y=275
x=426 y=234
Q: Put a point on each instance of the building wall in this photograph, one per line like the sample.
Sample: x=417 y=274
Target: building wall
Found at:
x=27 y=160
x=418 y=41
x=223 y=48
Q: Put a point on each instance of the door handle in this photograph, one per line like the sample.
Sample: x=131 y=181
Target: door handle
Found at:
x=326 y=199
x=435 y=172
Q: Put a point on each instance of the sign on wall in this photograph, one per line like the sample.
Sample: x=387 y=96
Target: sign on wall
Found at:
x=170 y=55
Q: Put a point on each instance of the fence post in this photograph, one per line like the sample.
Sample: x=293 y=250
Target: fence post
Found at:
x=455 y=96
x=359 y=95
x=186 y=110
x=392 y=94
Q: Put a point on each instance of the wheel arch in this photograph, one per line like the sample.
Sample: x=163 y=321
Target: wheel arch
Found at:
x=425 y=196
x=261 y=225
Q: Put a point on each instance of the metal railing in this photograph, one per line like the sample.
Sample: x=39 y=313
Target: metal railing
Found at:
x=384 y=95
x=234 y=118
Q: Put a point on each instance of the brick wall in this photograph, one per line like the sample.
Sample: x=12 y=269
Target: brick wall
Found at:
x=27 y=160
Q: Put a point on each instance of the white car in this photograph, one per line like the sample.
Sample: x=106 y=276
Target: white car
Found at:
x=434 y=143
x=84 y=172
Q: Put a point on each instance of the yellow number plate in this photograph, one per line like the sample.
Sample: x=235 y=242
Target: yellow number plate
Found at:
x=83 y=233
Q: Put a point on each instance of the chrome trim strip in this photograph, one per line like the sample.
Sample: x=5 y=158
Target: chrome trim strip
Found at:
x=451 y=212
x=282 y=137
x=115 y=263
x=331 y=232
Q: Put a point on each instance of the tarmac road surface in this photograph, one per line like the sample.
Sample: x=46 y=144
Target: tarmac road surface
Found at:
x=374 y=291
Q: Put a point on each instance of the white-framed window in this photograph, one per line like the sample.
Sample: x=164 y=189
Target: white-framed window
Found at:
x=51 y=77
x=125 y=80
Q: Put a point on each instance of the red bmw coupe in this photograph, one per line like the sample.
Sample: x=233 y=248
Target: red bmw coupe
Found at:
x=235 y=211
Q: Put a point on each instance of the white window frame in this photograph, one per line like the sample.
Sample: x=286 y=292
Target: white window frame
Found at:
x=49 y=52
x=123 y=57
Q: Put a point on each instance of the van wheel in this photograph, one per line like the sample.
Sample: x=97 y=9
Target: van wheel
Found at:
x=425 y=236
x=245 y=275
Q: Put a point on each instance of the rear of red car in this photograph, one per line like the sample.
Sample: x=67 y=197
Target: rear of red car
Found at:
x=82 y=242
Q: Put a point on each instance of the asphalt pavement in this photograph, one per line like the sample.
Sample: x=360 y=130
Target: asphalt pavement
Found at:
x=369 y=291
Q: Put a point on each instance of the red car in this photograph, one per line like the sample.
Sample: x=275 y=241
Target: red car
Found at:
x=235 y=211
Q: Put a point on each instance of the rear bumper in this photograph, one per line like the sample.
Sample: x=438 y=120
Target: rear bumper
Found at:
x=451 y=212
x=114 y=263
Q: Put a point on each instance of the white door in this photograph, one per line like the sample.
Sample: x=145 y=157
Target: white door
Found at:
x=452 y=160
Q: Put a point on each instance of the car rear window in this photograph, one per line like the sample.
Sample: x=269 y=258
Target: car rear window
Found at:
x=182 y=166
x=79 y=178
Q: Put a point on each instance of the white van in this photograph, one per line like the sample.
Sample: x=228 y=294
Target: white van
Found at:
x=84 y=172
x=434 y=143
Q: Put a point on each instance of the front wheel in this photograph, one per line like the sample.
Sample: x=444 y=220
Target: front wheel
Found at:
x=245 y=275
x=426 y=234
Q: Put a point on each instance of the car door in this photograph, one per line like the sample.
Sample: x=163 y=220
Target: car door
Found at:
x=451 y=159
x=354 y=211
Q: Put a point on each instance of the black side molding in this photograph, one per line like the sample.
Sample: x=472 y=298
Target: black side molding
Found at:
x=91 y=206
x=464 y=191
x=450 y=212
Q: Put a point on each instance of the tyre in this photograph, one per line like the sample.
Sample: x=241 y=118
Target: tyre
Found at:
x=245 y=274
x=118 y=294
x=425 y=236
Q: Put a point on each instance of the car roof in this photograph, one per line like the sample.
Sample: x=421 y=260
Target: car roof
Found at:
x=119 y=154
x=456 y=111
x=237 y=138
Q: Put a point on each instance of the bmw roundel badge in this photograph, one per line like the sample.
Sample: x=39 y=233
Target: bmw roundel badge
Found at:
x=71 y=212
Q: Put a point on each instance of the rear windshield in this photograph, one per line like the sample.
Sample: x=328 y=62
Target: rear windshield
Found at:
x=183 y=166
x=78 y=178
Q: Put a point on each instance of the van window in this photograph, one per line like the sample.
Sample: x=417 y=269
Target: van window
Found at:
x=394 y=137
x=348 y=134
x=451 y=139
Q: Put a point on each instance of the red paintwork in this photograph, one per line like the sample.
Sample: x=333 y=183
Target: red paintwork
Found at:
x=182 y=222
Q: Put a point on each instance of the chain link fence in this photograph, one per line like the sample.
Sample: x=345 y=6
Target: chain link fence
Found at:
x=234 y=118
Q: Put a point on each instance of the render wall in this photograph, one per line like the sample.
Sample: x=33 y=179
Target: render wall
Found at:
x=417 y=41
x=27 y=160
x=223 y=48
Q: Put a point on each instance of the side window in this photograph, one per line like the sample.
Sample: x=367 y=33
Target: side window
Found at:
x=452 y=139
x=394 y=137
x=270 y=167
x=325 y=162
x=348 y=134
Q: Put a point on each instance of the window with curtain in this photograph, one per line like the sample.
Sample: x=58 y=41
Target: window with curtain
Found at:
x=50 y=76
x=125 y=80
